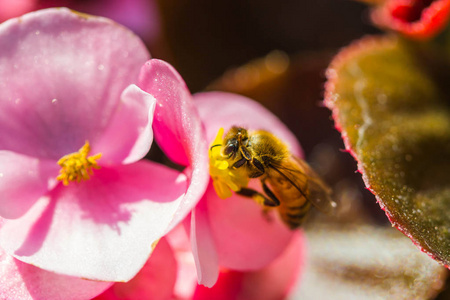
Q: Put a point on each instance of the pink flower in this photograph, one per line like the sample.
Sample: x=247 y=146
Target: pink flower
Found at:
x=232 y=233
x=156 y=280
x=75 y=197
x=273 y=282
x=170 y=274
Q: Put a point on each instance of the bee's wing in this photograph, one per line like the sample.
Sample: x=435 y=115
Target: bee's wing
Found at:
x=302 y=177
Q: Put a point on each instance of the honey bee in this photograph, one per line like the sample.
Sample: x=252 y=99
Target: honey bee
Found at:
x=288 y=183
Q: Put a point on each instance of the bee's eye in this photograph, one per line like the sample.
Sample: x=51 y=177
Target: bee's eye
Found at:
x=230 y=148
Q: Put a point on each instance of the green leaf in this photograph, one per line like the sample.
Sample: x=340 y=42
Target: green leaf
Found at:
x=395 y=121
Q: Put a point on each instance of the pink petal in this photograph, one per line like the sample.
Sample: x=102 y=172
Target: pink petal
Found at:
x=273 y=282
x=23 y=180
x=176 y=120
x=129 y=134
x=13 y=8
x=229 y=286
x=100 y=229
x=283 y=273
x=218 y=109
x=203 y=247
x=178 y=130
x=61 y=77
x=156 y=280
x=245 y=237
x=19 y=280
x=186 y=269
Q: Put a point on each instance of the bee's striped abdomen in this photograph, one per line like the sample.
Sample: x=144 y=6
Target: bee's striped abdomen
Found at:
x=294 y=213
x=293 y=204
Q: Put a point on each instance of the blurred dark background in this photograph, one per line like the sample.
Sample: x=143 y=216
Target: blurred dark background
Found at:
x=207 y=37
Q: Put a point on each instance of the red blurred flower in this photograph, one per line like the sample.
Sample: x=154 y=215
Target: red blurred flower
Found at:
x=417 y=19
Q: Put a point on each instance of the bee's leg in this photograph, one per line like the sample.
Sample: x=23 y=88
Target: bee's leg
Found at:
x=255 y=195
x=250 y=193
x=259 y=169
x=272 y=200
x=239 y=163
x=245 y=153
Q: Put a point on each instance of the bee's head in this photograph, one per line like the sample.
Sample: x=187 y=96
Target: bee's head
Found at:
x=234 y=139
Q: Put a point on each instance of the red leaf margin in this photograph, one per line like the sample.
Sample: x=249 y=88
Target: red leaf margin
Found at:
x=330 y=97
x=433 y=18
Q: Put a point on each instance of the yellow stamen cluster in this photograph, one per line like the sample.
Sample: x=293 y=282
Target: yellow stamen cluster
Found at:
x=78 y=166
x=225 y=179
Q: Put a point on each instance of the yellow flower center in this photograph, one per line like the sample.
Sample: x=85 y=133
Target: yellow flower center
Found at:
x=225 y=179
x=78 y=166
